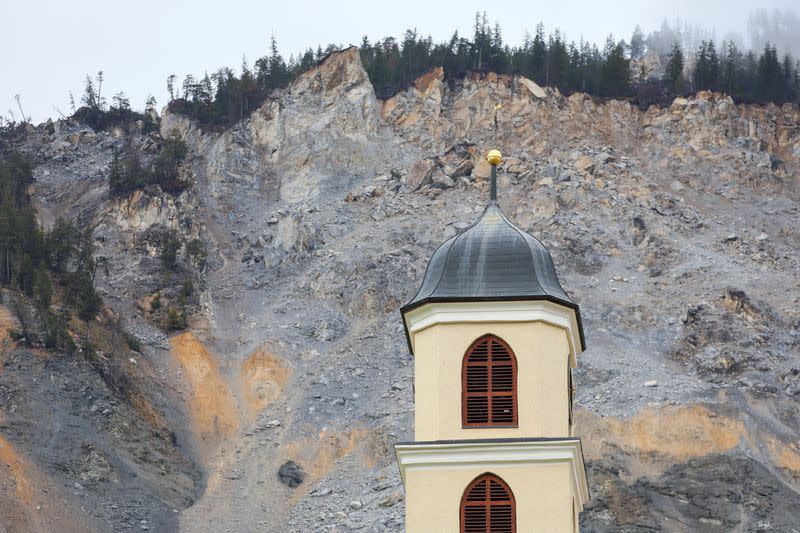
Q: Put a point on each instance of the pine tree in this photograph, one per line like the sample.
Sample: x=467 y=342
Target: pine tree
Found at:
x=247 y=91
x=60 y=243
x=116 y=175
x=538 y=62
x=171 y=86
x=558 y=61
x=731 y=70
x=616 y=72
x=306 y=61
x=749 y=76
x=673 y=74
x=80 y=283
x=706 y=70
x=187 y=86
x=121 y=102
x=770 y=85
x=481 y=40
x=150 y=105
x=713 y=66
x=788 y=82
x=166 y=166
x=89 y=98
x=573 y=79
x=497 y=60
x=278 y=73
x=366 y=51
x=42 y=287
x=637 y=44
x=796 y=81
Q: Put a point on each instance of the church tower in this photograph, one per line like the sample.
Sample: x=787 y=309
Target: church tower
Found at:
x=494 y=339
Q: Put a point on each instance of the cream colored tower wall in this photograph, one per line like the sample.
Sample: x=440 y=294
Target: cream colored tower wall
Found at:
x=543 y=494
x=542 y=353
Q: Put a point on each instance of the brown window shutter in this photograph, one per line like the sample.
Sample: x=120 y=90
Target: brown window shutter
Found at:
x=488 y=506
x=489 y=384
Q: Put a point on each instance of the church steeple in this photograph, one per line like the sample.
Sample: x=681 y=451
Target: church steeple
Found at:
x=495 y=337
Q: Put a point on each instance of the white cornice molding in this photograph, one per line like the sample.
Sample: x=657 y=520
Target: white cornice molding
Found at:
x=560 y=316
x=495 y=454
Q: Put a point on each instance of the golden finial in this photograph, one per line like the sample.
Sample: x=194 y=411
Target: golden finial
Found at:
x=494 y=158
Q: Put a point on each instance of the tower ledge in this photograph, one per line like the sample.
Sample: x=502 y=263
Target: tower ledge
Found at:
x=495 y=454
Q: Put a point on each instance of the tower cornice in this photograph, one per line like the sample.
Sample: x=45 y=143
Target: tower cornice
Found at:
x=431 y=314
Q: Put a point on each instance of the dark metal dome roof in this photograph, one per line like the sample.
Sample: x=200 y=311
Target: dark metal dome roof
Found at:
x=492 y=260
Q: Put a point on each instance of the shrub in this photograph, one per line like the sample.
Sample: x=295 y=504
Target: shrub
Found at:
x=187 y=289
x=99 y=119
x=170 y=245
x=89 y=351
x=176 y=319
x=196 y=251
x=132 y=342
x=56 y=335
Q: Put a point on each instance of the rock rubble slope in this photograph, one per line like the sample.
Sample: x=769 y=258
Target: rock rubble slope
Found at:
x=676 y=230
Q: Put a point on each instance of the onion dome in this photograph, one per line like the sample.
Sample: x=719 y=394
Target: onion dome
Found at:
x=492 y=260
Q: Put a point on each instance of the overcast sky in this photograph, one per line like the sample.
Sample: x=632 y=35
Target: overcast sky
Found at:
x=48 y=47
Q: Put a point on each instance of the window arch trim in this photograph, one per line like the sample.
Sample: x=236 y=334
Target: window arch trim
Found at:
x=500 y=363
x=477 y=514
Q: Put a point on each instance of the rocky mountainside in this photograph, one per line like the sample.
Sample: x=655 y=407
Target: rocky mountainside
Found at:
x=275 y=410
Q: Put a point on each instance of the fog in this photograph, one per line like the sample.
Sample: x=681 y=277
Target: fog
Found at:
x=778 y=27
x=48 y=47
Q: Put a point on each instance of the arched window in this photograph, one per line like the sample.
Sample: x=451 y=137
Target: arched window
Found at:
x=489 y=384
x=488 y=507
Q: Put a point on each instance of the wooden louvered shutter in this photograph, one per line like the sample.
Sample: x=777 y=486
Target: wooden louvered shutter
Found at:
x=489 y=384
x=488 y=507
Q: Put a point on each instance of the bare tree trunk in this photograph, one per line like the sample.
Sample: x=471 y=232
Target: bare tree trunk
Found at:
x=18 y=98
x=99 y=88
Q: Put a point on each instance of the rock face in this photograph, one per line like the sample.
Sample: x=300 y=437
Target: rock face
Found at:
x=311 y=139
x=675 y=229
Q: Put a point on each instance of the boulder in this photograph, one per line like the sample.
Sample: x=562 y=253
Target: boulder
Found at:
x=291 y=474
x=482 y=170
x=419 y=174
x=532 y=88
x=584 y=164
x=442 y=181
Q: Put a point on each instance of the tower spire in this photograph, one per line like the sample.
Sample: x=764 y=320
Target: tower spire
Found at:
x=494 y=158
